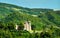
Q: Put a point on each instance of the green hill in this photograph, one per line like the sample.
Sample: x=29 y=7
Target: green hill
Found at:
x=39 y=17
x=45 y=15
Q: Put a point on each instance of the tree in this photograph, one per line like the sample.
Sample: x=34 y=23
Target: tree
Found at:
x=11 y=26
x=33 y=27
x=2 y=25
x=20 y=26
x=45 y=35
x=36 y=35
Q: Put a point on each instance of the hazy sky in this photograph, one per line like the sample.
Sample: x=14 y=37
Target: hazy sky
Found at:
x=52 y=4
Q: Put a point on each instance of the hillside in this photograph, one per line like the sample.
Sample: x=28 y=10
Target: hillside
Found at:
x=44 y=18
x=49 y=15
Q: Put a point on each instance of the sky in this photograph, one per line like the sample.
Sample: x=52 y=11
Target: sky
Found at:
x=52 y=4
